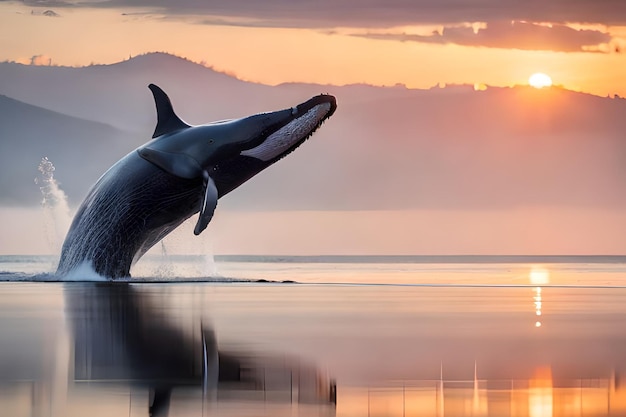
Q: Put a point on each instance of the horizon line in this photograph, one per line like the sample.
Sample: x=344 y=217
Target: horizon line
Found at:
x=417 y=258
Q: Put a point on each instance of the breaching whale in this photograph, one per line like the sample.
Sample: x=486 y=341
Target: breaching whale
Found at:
x=183 y=170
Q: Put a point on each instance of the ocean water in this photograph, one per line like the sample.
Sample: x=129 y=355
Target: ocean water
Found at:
x=317 y=336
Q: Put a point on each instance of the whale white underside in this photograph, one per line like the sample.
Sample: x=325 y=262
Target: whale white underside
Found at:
x=280 y=141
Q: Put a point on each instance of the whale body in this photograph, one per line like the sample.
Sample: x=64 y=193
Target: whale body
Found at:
x=182 y=171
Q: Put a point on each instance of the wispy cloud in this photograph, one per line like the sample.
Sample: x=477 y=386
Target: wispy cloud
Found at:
x=510 y=35
x=373 y=13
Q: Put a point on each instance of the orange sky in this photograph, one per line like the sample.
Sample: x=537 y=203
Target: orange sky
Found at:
x=378 y=46
x=269 y=53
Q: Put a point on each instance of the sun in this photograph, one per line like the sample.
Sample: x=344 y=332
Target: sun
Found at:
x=540 y=80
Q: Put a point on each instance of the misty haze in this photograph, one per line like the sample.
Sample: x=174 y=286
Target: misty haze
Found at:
x=519 y=154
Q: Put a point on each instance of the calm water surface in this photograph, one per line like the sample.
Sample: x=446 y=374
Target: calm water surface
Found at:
x=349 y=339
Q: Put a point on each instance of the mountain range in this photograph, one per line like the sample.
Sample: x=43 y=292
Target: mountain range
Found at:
x=385 y=148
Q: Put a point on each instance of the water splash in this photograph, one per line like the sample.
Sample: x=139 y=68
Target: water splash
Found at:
x=84 y=272
x=179 y=255
x=165 y=267
x=210 y=266
x=56 y=210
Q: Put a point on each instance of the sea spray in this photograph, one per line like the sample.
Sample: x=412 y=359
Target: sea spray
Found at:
x=84 y=272
x=56 y=210
x=209 y=269
x=179 y=255
x=165 y=267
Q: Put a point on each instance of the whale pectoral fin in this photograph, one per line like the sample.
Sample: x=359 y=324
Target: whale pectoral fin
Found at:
x=179 y=164
x=208 y=204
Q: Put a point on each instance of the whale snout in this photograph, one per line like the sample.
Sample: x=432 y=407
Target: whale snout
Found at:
x=305 y=119
x=320 y=100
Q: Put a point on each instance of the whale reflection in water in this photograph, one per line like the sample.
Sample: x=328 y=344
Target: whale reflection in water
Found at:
x=121 y=337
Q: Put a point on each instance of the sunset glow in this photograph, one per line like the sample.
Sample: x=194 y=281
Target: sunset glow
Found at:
x=333 y=208
x=539 y=276
x=540 y=80
x=516 y=162
x=540 y=393
x=255 y=46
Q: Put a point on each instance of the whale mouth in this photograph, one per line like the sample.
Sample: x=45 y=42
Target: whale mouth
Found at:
x=307 y=118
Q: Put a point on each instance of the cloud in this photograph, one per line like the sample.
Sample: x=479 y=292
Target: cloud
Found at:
x=47 y=3
x=515 y=35
x=39 y=60
x=373 y=13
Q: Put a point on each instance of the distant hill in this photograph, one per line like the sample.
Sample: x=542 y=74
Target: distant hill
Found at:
x=118 y=94
x=81 y=150
x=384 y=148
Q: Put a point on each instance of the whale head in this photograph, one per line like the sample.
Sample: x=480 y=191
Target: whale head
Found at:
x=227 y=153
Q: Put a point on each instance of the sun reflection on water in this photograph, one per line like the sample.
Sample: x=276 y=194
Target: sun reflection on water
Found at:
x=538 y=276
x=540 y=394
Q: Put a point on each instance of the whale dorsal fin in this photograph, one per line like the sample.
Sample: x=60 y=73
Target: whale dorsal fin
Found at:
x=167 y=120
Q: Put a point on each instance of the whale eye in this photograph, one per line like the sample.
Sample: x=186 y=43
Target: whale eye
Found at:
x=210 y=141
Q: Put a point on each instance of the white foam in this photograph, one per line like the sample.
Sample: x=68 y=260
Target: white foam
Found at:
x=83 y=272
